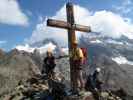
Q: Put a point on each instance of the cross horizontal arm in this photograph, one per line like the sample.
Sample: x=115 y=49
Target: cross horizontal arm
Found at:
x=62 y=24
x=57 y=23
x=82 y=28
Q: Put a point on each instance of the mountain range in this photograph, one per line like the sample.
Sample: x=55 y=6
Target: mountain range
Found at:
x=112 y=55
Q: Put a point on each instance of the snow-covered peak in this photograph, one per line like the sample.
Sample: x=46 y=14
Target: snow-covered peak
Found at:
x=111 y=41
x=25 y=47
x=41 y=49
x=44 y=48
x=97 y=38
x=65 y=51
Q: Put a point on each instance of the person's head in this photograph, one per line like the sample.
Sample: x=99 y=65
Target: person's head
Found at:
x=49 y=54
x=75 y=44
x=98 y=70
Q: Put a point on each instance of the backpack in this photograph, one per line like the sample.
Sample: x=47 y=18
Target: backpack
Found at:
x=84 y=51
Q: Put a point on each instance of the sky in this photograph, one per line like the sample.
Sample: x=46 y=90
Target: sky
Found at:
x=23 y=22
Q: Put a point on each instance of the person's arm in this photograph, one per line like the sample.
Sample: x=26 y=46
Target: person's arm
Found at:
x=43 y=66
x=45 y=60
x=81 y=55
x=54 y=60
x=70 y=54
x=93 y=84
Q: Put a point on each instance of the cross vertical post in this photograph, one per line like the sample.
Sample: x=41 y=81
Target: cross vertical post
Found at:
x=71 y=39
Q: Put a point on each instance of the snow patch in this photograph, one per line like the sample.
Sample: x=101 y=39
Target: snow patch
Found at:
x=95 y=41
x=114 y=42
x=122 y=60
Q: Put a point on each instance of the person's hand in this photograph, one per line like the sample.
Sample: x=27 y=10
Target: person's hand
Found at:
x=96 y=89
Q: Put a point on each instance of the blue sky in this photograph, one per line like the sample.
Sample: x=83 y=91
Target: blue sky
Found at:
x=29 y=13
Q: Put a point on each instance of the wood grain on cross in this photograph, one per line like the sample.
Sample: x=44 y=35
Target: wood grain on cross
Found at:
x=71 y=27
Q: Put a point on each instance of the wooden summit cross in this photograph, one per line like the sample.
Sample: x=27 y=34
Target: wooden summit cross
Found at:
x=71 y=27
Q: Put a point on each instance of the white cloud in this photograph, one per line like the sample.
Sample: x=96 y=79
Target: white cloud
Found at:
x=42 y=31
x=111 y=24
x=10 y=13
x=106 y=22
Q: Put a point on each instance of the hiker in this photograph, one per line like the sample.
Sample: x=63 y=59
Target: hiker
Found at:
x=49 y=64
x=96 y=82
x=93 y=84
x=76 y=56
